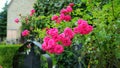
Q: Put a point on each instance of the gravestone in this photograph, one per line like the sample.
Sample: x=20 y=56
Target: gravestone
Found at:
x=29 y=56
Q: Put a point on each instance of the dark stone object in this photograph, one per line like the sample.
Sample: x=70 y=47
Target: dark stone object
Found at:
x=27 y=57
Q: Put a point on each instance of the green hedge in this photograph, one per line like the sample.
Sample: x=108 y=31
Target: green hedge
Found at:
x=6 y=55
x=47 y=7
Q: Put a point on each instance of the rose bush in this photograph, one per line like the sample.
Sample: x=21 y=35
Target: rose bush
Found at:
x=64 y=36
x=66 y=32
x=59 y=39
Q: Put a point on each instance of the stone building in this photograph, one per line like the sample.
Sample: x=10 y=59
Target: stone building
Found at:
x=15 y=8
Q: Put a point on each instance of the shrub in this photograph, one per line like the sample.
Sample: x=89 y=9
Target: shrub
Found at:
x=48 y=7
x=6 y=55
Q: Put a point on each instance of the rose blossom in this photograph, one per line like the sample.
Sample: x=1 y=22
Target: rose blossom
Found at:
x=58 y=49
x=58 y=20
x=61 y=36
x=66 y=41
x=52 y=32
x=89 y=29
x=69 y=9
x=51 y=43
x=44 y=46
x=69 y=33
x=76 y=30
x=46 y=39
x=64 y=11
x=80 y=21
x=55 y=17
x=25 y=33
x=32 y=12
x=56 y=38
x=71 y=4
x=48 y=45
x=67 y=18
x=83 y=25
x=62 y=16
x=16 y=20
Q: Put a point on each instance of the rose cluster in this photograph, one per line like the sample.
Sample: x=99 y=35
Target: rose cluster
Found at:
x=64 y=14
x=31 y=13
x=55 y=42
x=25 y=32
x=83 y=27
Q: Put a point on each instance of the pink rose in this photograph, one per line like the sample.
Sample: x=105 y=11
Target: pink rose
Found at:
x=76 y=30
x=51 y=43
x=62 y=16
x=55 y=17
x=66 y=41
x=69 y=33
x=63 y=11
x=83 y=25
x=58 y=49
x=56 y=38
x=67 y=18
x=44 y=46
x=48 y=45
x=83 y=29
x=61 y=36
x=16 y=20
x=25 y=33
x=58 y=20
x=32 y=12
x=83 y=32
x=69 y=9
x=52 y=32
x=46 y=39
x=71 y=4
x=80 y=21
x=89 y=29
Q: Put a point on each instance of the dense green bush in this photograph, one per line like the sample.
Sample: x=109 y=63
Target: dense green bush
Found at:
x=48 y=7
x=102 y=46
x=3 y=23
x=6 y=55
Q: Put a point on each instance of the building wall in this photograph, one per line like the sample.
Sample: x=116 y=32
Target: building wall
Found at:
x=16 y=8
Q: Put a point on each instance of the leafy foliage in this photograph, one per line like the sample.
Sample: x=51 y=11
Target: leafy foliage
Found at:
x=103 y=42
x=3 y=22
x=48 y=7
x=6 y=55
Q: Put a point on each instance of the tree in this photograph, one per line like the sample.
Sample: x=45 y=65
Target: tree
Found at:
x=3 y=22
